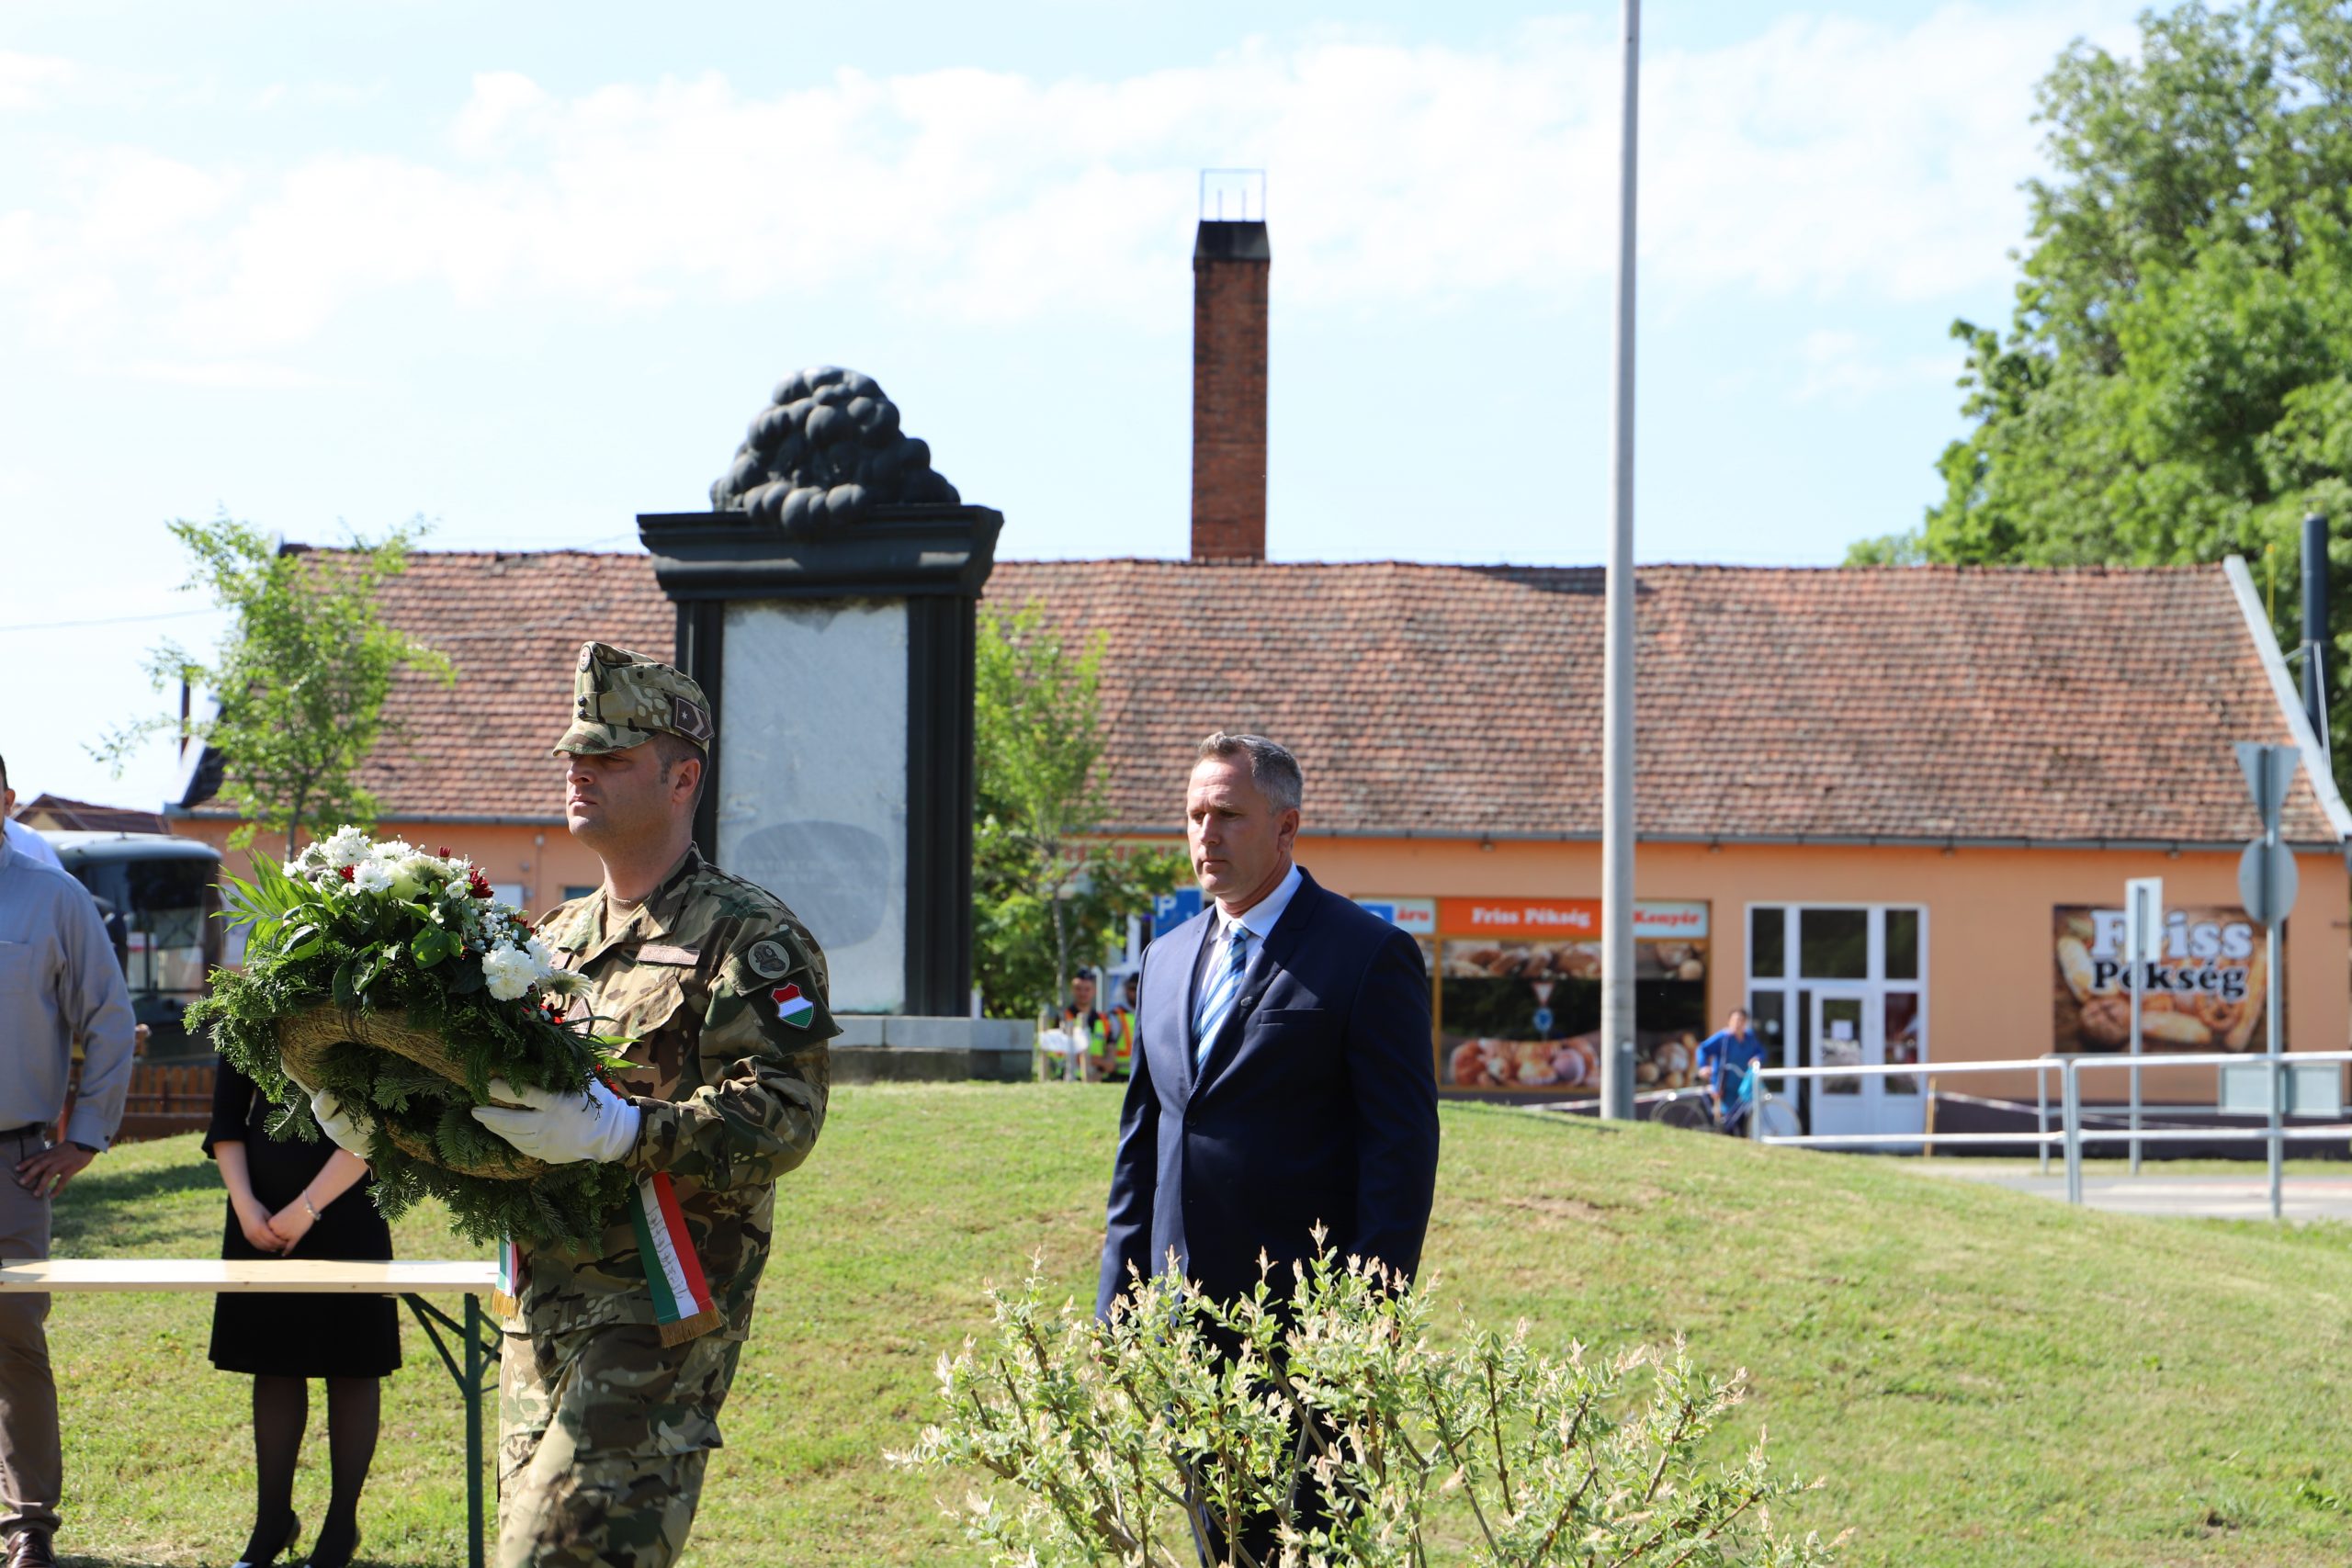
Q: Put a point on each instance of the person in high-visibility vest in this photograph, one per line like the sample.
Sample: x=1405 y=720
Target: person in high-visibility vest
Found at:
x=1121 y=1025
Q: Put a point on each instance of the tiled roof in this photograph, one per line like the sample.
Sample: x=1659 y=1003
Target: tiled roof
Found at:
x=1922 y=703
x=56 y=812
x=512 y=624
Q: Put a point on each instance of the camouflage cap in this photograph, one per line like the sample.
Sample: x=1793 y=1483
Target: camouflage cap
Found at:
x=621 y=699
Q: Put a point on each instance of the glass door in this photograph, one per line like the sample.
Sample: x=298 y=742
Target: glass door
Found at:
x=1867 y=1026
x=1842 y=1037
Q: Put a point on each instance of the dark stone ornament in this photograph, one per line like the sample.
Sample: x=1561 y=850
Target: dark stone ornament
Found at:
x=826 y=451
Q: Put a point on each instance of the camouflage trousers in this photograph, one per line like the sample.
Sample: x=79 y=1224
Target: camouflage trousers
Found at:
x=602 y=1435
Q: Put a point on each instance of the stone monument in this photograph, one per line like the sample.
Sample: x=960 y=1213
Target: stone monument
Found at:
x=826 y=603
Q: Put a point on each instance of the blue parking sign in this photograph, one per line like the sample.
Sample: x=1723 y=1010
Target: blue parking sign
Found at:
x=1172 y=910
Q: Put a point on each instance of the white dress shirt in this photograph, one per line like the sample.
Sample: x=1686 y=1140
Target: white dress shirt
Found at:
x=1258 y=921
x=27 y=842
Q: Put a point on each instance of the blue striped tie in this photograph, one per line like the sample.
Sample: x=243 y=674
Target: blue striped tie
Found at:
x=1218 y=992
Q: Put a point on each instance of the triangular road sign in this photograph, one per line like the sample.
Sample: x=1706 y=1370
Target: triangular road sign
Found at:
x=2269 y=773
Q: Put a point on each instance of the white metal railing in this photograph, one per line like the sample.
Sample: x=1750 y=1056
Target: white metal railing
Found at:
x=2072 y=1135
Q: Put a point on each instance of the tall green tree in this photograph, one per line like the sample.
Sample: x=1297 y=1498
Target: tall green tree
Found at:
x=301 y=676
x=1047 y=891
x=2175 y=384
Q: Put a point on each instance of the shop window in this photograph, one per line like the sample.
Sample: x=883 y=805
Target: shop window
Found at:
x=1902 y=946
x=575 y=890
x=1768 y=940
x=1834 y=944
x=1902 y=1038
x=1841 y=1042
x=1767 y=1016
x=1518 y=1003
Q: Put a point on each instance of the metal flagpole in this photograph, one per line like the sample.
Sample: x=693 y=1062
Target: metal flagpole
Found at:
x=2271 y=1021
x=1617 y=710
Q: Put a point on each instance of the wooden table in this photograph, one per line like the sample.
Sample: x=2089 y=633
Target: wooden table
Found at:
x=412 y=1282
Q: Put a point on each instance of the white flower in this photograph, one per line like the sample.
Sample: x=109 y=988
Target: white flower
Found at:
x=542 y=955
x=372 y=877
x=510 y=971
x=413 y=874
x=349 y=846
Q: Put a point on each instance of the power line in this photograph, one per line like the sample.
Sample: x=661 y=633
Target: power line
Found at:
x=108 y=621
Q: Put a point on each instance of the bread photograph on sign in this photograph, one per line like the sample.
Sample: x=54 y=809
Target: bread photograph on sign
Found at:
x=2204 y=992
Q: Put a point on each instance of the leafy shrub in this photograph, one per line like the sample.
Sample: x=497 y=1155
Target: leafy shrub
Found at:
x=1114 y=1442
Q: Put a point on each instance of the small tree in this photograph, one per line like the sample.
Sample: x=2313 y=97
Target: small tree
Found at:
x=301 y=678
x=1042 y=884
x=1121 y=1442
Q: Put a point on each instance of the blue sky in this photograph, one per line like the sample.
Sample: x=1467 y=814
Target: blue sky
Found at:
x=527 y=270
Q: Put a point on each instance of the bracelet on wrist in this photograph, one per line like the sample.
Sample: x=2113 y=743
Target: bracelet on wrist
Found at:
x=306 y=1208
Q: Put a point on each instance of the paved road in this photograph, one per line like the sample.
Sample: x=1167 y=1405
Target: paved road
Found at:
x=2209 y=1197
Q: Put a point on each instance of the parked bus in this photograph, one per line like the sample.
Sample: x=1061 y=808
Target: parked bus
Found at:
x=159 y=895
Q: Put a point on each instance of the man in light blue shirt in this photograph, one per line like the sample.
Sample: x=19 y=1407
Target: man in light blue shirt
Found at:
x=59 y=982
x=19 y=836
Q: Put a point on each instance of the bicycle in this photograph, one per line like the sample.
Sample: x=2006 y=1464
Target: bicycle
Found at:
x=1693 y=1110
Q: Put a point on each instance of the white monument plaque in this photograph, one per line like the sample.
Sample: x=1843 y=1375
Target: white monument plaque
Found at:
x=812 y=778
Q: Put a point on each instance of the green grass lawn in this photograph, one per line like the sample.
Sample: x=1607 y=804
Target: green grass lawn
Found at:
x=1984 y=1378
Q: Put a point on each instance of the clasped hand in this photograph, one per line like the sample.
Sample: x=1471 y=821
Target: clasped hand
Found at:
x=275 y=1233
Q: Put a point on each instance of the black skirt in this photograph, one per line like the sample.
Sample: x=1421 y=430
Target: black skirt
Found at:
x=335 y=1336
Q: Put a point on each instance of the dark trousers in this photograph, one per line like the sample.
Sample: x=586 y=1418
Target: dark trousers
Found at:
x=1259 y=1534
x=32 y=1463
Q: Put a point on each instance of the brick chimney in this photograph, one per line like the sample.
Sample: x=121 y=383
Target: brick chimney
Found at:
x=1230 y=263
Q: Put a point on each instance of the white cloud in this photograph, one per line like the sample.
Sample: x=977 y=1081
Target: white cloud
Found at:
x=27 y=80
x=1835 y=363
x=1824 y=156
x=238 y=375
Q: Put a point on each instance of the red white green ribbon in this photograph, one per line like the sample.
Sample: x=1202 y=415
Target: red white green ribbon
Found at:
x=683 y=1308
x=682 y=1302
x=505 y=1299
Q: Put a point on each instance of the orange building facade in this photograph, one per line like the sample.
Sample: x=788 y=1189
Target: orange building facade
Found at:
x=1890 y=812
x=1921 y=953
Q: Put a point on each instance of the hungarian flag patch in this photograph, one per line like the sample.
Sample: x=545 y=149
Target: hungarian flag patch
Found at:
x=792 y=1006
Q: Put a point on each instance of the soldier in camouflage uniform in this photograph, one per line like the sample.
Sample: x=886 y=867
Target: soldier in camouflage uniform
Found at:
x=607 y=1412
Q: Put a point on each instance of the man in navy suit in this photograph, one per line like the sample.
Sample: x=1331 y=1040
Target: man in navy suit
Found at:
x=1282 y=1074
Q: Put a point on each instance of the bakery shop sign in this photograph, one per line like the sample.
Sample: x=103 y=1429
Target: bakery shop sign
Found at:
x=1572 y=918
x=2205 y=993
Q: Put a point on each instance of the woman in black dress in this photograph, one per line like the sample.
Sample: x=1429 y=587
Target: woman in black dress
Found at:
x=294 y=1200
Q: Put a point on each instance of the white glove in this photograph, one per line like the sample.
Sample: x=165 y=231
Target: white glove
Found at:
x=352 y=1130
x=562 y=1127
